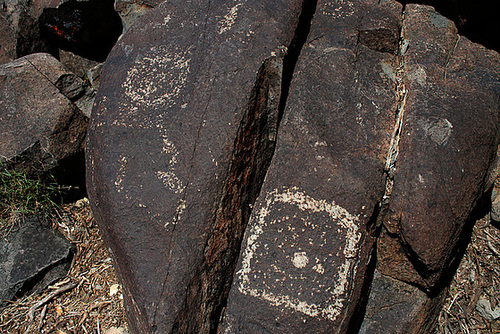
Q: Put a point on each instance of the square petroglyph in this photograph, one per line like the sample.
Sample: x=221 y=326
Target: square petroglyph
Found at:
x=300 y=253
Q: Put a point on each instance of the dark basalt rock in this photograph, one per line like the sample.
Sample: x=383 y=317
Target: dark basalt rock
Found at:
x=87 y=28
x=308 y=242
x=7 y=41
x=397 y=307
x=449 y=138
x=33 y=256
x=179 y=89
x=40 y=127
x=388 y=129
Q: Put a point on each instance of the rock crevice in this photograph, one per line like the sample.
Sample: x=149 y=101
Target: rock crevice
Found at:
x=251 y=157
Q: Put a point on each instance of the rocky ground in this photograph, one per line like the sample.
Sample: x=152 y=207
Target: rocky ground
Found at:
x=89 y=299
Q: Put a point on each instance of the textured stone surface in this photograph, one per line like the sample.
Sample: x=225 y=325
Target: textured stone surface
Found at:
x=22 y=16
x=308 y=242
x=397 y=307
x=174 y=92
x=39 y=126
x=33 y=256
x=448 y=140
x=7 y=41
x=131 y=10
x=374 y=120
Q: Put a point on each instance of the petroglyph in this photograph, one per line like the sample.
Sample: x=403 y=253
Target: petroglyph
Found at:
x=227 y=22
x=121 y=174
x=301 y=253
x=169 y=177
x=339 y=8
x=158 y=78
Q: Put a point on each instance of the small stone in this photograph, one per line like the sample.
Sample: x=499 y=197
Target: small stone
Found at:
x=484 y=308
x=115 y=330
x=113 y=290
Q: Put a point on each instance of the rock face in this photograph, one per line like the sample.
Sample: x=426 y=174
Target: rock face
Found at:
x=7 y=41
x=34 y=256
x=177 y=174
x=21 y=22
x=396 y=307
x=39 y=124
x=308 y=242
x=87 y=28
x=131 y=10
x=386 y=121
x=448 y=138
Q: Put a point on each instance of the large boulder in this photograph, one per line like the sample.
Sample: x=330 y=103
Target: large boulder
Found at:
x=447 y=142
x=389 y=124
x=311 y=233
x=176 y=90
x=40 y=125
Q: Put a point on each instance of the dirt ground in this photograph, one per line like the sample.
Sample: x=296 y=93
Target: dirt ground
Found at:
x=89 y=299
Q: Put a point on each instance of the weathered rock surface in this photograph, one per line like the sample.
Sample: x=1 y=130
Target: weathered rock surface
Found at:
x=448 y=140
x=39 y=124
x=22 y=19
x=89 y=28
x=308 y=242
x=33 y=256
x=379 y=127
x=163 y=164
x=397 y=307
x=7 y=41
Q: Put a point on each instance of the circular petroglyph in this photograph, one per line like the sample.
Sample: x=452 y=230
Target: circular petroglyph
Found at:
x=300 y=260
x=158 y=78
x=300 y=253
x=338 y=8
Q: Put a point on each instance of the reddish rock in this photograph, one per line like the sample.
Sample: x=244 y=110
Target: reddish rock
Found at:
x=39 y=125
x=165 y=155
x=309 y=240
x=448 y=141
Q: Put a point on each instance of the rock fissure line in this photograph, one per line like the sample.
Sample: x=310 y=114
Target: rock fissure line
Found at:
x=393 y=229
x=253 y=150
x=191 y=166
x=401 y=94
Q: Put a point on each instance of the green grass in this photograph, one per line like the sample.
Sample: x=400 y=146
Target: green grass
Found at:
x=24 y=196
